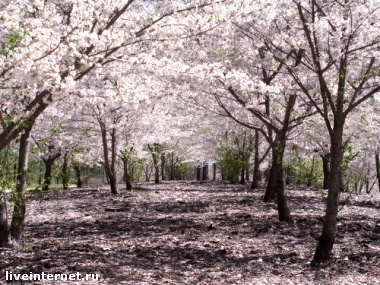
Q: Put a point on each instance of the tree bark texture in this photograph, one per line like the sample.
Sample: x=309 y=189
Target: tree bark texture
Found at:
x=163 y=166
x=78 y=174
x=19 y=209
x=127 y=175
x=326 y=170
x=256 y=162
x=378 y=168
x=65 y=171
x=326 y=241
x=109 y=165
x=49 y=162
x=205 y=172
x=4 y=227
x=276 y=185
x=199 y=173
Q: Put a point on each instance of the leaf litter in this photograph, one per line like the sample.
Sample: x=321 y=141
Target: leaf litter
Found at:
x=194 y=233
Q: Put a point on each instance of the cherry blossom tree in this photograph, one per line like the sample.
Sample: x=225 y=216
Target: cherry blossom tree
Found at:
x=48 y=47
x=337 y=73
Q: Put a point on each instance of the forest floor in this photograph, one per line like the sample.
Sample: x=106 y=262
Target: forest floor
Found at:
x=192 y=233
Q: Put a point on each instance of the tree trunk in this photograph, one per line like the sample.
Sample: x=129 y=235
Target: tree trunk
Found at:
x=326 y=170
x=163 y=165
x=247 y=167
x=256 y=163
x=78 y=174
x=270 y=191
x=199 y=173
x=18 y=217
x=47 y=176
x=147 y=173
x=378 y=168
x=242 y=175
x=109 y=165
x=326 y=241
x=4 y=227
x=156 y=168
x=65 y=171
x=214 y=171
x=155 y=155
x=205 y=172
x=172 y=166
x=127 y=176
x=276 y=185
x=49 y=162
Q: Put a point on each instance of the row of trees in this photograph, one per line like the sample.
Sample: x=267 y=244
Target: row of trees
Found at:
x=299 y=75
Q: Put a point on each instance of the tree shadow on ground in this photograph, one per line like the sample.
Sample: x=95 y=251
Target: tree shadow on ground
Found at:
x=191 y=236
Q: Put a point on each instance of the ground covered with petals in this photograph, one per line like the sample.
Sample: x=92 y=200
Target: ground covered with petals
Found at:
x=193 y=233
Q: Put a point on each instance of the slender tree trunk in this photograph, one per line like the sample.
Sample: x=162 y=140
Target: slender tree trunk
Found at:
x=276 y=185
x=109 y=165
x=326 y=241
x=18 y=217
x=242 y=175
x=256 y=163
x=78 y=174
x=65 y=171
x=146 y=172
x=270 y=191
x=326 y=170
x=49 y=162
x=156 y=168
x=163 y=165
x=199 y=173
x=47 y=176
x=205 y=172
x=155 y=155
x=127 y=176
x=377 y=159
x=4 y=226
x=214 y=171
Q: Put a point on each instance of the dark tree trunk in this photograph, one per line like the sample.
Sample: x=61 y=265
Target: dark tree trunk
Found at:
x=326 y=170
x=377 y=159
x=205 y=172
x=163 y=165
x=109 y=164
x=18 y=217
x=242 y=175
x=4 y=227
x=257 y=174
x=49 y=162
x=256 y=162
x=276 y=185
x=127 y=176
x=65 y=171
x=199 y=173
x=270 y=191
x=155 y=149
x=326 y=241
x=78 y=174
x=172 y=166
x=156 y=168
x=214 y=171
